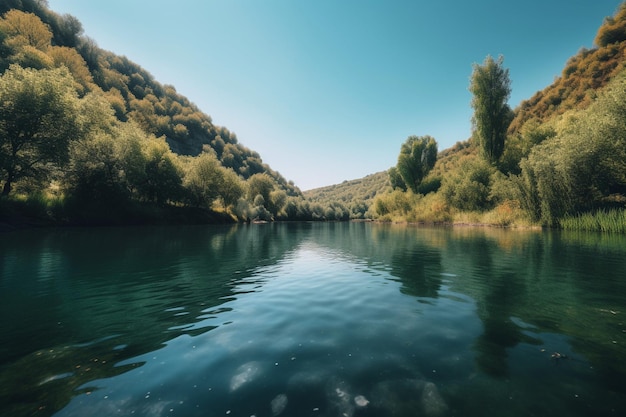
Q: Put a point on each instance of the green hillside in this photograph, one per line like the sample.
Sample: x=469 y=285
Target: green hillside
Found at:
x=562 y=161
x=352 y=199
x=204 y=166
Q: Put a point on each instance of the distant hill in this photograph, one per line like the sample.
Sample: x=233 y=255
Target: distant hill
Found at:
x=356 y=195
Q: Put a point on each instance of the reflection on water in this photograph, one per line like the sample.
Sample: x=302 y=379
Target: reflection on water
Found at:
x=335 y=319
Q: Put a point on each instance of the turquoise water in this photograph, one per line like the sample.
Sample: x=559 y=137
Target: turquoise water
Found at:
x=324 y=319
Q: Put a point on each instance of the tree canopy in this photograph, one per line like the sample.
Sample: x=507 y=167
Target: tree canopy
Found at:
x=39 y=117
x=418 y=155
x=490 y=86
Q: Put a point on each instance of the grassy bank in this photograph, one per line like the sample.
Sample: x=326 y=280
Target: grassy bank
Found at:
x=608 y=221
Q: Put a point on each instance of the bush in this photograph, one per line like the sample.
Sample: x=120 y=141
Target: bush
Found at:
x=468 y=188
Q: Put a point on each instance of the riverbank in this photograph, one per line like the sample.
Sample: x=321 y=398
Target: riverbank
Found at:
x=28 y=214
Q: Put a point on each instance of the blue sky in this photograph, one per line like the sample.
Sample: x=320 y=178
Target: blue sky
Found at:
x=328 y=90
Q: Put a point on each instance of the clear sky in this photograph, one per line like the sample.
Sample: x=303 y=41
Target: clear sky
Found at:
x=328 y=90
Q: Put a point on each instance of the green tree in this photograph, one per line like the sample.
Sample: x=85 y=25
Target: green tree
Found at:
x=203 y=179
x=38 y=119
x=260 y=184
x=417 y=157
x=468 y=188
x=232 y=189
x=25 y=40
x=162 y=179
x=491 y=87
x=395 y=179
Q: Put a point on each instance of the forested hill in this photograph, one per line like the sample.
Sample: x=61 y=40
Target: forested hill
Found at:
x=91 y=136
x=131 y=90
x=583 y=75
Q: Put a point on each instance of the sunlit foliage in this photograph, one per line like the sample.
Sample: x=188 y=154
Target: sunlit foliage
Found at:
x=584 y=73
x=584 y=165
x=38 y=120
x=417 y=157
x=354 y=196
x=490 y=86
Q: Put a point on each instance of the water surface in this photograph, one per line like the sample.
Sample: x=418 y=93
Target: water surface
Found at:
x=324 y=319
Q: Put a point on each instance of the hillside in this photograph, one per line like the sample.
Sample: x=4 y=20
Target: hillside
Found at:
x=132 y=91
x=110 y=165
x=564 y=157
x=583 y=75
x=355 y=196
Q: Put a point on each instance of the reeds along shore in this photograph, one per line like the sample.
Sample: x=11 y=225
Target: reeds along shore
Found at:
x=610 y=221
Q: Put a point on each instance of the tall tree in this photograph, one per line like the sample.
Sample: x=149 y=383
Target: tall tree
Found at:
x=417 y=157
x=38 y=119
x=491 y=87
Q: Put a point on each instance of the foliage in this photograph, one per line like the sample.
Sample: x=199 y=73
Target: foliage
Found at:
x=355 y=196
x=410 y=207
x=519 y=145
x=613 y=30
x=137 y=146
x=38 y=120
x=583 y=165
x=395 y=179
x=608 y=221
x=417 y=157
x=115 y=158
x=490 y=86
x=585 y=73
x=468 y=188
x=25 y=40
x=206 y=180
x=38 y=38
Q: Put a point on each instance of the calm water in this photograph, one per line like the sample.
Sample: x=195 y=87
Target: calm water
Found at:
x=339 y=319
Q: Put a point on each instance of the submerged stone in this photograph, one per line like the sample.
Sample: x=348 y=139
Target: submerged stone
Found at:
x=432 y=402
x=244 y=374
x=278 y=404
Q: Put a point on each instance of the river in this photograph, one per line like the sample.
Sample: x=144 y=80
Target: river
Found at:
x=312 y=319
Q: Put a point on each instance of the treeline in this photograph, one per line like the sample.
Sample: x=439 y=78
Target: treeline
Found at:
x=350 y=199
x=562 y=164
x=90 y=134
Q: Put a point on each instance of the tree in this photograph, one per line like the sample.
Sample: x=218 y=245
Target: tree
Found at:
x=396 y=179
x=469 y=188
x=417 y=157
x=203 y=180
x=38 y=119
x=491 y=88
x=260 y=184
x=26 y=29
x=25 y=40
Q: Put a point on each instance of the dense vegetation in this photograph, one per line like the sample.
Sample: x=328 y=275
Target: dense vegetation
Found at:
x=350 y=199
x=89 y=136
x=559 y=159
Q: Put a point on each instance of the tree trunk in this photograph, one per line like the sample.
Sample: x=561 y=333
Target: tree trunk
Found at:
x=7 y=188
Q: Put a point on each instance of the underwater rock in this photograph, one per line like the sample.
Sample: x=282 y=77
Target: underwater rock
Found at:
x=244 y=374
x=432 y=402
x=408 y=396
x=338 y=393
x=398 y=396
x=278 y=404
x=361 y=401
x=307 y=380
